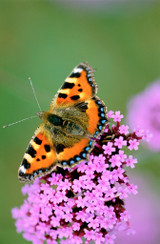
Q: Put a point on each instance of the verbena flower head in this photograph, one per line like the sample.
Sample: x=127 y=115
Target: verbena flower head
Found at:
x=86 y=201
x=144 y=113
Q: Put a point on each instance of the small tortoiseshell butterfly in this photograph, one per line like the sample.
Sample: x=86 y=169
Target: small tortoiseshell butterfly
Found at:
x=67 y=135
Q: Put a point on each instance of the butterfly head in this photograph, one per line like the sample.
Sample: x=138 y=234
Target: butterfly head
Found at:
x=41 y=115
x=50 y=118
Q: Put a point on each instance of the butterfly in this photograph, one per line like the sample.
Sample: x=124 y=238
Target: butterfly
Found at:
x=69 y=128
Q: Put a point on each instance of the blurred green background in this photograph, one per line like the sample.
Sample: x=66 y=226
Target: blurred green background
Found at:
x=45 y=40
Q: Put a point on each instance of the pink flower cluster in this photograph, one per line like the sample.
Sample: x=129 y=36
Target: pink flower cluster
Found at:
x=144 y=113
x=84 y=203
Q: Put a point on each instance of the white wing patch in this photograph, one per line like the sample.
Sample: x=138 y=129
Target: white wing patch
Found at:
x=22 y=169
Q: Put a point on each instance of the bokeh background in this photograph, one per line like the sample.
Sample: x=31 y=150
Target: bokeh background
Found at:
x=45 y=40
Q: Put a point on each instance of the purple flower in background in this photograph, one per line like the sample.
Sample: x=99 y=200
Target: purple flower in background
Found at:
x=86 y=201
x=144 y=113
x=145 y=214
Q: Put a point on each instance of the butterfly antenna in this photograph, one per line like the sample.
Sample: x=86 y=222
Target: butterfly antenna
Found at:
x=30 y=80
x=34 y=116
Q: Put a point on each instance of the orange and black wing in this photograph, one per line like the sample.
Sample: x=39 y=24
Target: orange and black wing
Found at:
x=79 y=91
x=40 y=157
x=78 y=86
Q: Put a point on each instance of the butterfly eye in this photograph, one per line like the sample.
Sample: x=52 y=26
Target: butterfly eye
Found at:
x=55 y=120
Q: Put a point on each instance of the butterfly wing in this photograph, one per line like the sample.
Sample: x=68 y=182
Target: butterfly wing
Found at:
x=78 y=86
x=78 y=97
x=79 y=92
x=40 y=157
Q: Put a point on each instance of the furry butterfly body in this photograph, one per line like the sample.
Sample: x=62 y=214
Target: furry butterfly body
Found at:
x=66 y=136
